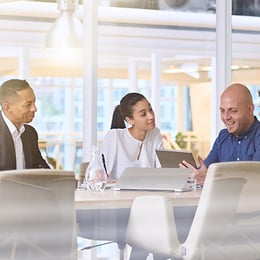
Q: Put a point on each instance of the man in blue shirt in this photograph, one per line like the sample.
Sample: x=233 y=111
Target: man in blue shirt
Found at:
x=240 y=140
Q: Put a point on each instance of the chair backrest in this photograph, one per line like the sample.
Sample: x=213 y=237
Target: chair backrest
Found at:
x=230 y=190
x=216 y=232
x=151 y=225
x=37 y=219
x=82 y=170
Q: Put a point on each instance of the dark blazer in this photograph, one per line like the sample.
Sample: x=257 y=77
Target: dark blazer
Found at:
x=32 y=154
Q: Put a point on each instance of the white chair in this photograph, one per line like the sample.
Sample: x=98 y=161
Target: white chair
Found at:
x=81 y=174
x=37 y=219
x=226 y=224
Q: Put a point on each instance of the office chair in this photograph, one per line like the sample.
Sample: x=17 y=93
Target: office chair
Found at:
x=81 y=174
x=226 y=224
x=37 y=219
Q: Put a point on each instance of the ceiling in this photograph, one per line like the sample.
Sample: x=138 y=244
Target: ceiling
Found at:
x=124 y=35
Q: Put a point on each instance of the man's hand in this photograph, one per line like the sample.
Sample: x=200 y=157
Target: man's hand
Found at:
x=200 y=173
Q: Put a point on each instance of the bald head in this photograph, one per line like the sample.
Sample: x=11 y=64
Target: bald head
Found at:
x=239 y=92
x=237 y=108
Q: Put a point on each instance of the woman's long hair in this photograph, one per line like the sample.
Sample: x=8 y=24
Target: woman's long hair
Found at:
x=125 y=109
x=117 y=120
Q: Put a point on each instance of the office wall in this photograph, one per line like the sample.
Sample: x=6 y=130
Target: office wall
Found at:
x=201 y=113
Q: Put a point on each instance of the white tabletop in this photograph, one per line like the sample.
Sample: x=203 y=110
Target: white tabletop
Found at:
x=123 y=199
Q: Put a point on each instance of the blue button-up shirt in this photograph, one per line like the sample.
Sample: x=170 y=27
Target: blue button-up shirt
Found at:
x=245 y=147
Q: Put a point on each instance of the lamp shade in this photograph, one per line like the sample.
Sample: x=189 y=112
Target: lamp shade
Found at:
x=66 y=32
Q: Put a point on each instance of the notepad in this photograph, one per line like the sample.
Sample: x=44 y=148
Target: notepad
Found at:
x=172 y=158
x=156 y=179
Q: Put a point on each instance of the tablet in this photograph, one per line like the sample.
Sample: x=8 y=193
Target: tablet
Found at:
x=172 y=158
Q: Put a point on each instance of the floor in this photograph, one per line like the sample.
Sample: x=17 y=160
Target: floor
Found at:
x=105 y=252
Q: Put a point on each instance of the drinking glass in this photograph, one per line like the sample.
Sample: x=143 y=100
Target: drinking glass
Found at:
x=96 y=176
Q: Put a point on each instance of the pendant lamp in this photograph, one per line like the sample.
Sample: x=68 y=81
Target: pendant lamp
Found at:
x=67 y=31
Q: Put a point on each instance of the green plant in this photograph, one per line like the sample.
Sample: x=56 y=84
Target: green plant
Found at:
x=179 y=138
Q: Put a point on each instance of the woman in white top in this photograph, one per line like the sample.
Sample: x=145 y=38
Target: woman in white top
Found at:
x=134 y=146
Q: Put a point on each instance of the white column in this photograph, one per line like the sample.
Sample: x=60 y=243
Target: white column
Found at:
x=69 y=148
x=90 y=77
x=132 y=74
x=156 y=86
x=223 y=60
x=24 y=61
x=180 y=108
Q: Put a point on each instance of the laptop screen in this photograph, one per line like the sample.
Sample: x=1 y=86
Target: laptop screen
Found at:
x=168 y=179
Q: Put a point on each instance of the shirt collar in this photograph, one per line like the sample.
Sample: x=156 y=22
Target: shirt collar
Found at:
x=251 y=128
x=11 y=126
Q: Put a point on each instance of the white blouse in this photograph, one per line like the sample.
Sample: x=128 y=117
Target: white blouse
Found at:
x=122 y=150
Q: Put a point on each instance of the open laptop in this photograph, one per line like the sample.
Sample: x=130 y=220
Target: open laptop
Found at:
x=172 y=158
x=156 y=179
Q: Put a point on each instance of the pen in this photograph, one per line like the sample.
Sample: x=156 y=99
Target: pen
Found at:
x=104 y=164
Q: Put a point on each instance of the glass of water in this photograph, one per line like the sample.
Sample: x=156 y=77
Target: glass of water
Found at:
x=96 y=176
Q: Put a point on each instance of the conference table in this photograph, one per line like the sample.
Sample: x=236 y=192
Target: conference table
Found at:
x=111 y=199
x=104 y=215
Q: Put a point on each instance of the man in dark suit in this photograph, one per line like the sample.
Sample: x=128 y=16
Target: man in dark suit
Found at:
x=18 y=141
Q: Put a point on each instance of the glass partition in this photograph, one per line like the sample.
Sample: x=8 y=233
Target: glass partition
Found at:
x=245 y=46
x=165 y=52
